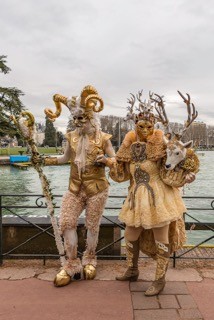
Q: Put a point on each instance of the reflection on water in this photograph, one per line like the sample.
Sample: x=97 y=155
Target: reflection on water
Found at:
x=16 y=181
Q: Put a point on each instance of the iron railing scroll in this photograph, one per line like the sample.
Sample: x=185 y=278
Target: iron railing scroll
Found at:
x=12 y=207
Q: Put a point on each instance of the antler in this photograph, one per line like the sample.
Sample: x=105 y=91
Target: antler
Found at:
x=159 y=107
x=191 y=117
x=139 y=96
x=131 y=101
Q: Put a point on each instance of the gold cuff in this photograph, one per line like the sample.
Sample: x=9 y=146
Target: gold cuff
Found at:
x=51 y=161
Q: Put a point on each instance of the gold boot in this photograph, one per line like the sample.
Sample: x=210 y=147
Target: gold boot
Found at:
x=132 y=255
x=162 y=258
x=62 y=279
x=89 y=262
x=89 y=272
x=71 y=271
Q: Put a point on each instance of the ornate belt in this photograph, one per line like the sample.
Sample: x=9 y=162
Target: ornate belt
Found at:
x=142 y=178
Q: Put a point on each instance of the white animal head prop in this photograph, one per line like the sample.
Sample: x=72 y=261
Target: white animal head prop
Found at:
x=176 y=150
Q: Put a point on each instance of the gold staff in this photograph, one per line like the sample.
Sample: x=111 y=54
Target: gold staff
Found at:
x=26 y=125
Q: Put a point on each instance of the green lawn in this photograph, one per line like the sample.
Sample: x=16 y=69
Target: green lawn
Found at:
x=15 y=151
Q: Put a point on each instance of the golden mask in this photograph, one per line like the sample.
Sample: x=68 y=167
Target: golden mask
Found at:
x=144 y=129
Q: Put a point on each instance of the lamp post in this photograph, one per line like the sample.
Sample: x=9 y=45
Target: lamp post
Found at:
x=119 y=131
x=56 y=139
x=210 y=138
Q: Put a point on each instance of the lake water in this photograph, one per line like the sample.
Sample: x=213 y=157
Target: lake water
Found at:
x=16 y=181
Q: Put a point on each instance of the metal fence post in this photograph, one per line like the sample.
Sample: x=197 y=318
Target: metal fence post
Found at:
x=1 y=238
x=174 y=259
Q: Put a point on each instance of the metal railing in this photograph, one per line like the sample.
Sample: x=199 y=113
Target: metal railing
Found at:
x=11 y=204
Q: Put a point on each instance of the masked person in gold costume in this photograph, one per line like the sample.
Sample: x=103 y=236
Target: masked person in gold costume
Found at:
x=88 y=186
x=153 y=210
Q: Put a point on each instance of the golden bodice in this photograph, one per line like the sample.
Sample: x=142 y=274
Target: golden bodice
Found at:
x=93 y=179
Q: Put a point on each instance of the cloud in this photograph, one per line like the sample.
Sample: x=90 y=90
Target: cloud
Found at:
x=117 y=46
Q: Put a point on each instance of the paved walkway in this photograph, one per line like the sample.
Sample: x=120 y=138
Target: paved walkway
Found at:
x=27 y=293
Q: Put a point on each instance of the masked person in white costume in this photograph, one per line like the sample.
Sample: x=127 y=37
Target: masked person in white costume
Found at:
x=88 y=186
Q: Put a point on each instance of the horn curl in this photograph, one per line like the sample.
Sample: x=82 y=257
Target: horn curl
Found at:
x=86 y=91
x=58 y=99
x=91 y=102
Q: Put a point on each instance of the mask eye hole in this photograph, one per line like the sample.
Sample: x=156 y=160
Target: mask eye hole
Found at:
x=80 y=118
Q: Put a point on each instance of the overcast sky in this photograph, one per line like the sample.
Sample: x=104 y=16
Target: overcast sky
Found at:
x=119 y=46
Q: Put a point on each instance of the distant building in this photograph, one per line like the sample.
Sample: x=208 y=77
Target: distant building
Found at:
x=176 y=127
x=13 y=142
x=197 y=132
x=210 y=136
x=7 y=141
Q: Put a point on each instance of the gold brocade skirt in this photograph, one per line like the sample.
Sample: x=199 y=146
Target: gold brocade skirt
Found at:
x=153 y=206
